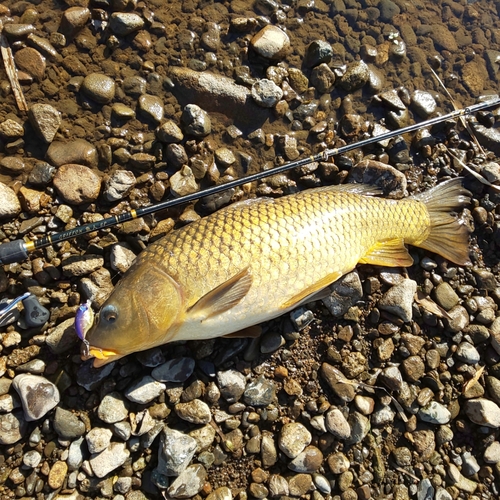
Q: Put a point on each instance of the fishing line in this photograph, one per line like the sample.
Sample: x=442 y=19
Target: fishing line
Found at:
x=18 y=250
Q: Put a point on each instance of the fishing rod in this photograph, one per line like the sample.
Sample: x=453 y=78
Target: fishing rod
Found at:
x=18 y=250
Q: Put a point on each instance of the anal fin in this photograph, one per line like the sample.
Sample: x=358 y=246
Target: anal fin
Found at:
x=313 y=292
x=391 y=253
x=224 y=297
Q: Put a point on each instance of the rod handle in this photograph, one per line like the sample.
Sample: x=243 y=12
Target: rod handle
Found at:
x=13 y=251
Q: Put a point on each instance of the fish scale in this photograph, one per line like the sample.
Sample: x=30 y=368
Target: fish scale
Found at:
x=257 y=259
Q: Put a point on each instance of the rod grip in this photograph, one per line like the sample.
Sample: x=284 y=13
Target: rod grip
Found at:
x=13 y=251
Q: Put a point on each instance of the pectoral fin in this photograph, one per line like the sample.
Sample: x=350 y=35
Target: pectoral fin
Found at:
x=313 y=292
x=392 y=253
x=224 y=297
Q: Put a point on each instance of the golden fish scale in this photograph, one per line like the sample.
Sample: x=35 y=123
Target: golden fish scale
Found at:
x=289 y=244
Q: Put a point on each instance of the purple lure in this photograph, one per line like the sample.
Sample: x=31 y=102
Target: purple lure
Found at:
x=84 y=320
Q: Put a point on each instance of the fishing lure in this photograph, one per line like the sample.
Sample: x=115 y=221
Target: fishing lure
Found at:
x=84 y=320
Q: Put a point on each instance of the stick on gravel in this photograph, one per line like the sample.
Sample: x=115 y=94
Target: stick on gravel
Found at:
x=18 y=250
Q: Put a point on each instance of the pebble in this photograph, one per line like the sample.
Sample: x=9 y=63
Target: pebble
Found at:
x=300 y=484
x=293 y=439
x=337 y=424
x=76 y=454
x=271 y=42
x=9 y=203
x=121 y=257
x=492 y=453
x=67 y=425
x=346 y=292
x=183 y=182
x=77 y=184
x=110 y=459
x=483 y=412
x=189 y=483
x=13 y=426
x=144 y=390
x=196 y=121
x=445 y=296
x=462 y=483
x=278 y=486
x=195 y=411
x=169 y=132
x=63 y=337
x=119 y=185
x=151 y=107
x=32 y=459
x=80 y=265
x=360 y=426
x=98 y=439
x=266 y=93
x=467 y=353
x=260 y=392
x=175 y=370
x=398 y=300
x=78 y=152
x=423 y=103
x=57 y=475
x=356 y=76
x=469 y=464
x=98 y=87
x=74 y=19
x=307 y=461
x=232 y=385
x=12 y=164
x=425 y=490
x=323 y=78
x=124 y=23
x=38 y=395
x=318 y=52
x=31 y=61
x=46 y=121
x=435 y=413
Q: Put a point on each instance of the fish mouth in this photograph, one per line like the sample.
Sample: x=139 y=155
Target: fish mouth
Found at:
x=101 y=356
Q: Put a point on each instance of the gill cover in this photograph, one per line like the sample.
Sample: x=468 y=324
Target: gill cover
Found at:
x=138 y=315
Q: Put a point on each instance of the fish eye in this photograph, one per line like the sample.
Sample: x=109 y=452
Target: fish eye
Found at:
x=109 y=313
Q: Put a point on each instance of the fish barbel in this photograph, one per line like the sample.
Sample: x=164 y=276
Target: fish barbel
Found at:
x=257 y=259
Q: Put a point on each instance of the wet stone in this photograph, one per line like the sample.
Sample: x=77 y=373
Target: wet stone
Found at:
x=423 y=103
x=46 y=120
x=38 y=395
x=110 y=459
x=78 y=152
x=176 y=370
x=355 y=77
x=266 y=93
x=99 y=87
x=318 y=52
x=346 y=292
x=124 y=23
x=293 y=439
x=196 y=121
x=183 y=182
x=323 y=78
x=134 y=86
x=9 y=203
x=67 y=425
x=388 y=179
x=260 y=392
x=121 y=257
x=445 y=296
x=74 y=19
x=31 y=61
x=151 y=107
x=144 y=390
x=169 y=132
x=189 y=483
x=467 y=353
x=271 y=42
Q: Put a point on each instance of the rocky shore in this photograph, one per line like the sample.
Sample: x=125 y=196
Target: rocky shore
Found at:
x=389 y=388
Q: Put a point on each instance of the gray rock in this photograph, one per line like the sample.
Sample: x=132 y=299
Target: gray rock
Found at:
x=318 y=52
x=398 y=300
x=337 y=424
x=13 y=426
x=176 y=370
x=98 y=439
x=425 y=490
x=46 y=121
x=151 y=106
x=293 y=439
x=469 y=464
x=77 y=184
x=442 y=494
x=9 y=203
x=445 y=296
x=183 y=182
x=38 y=395
x=80 y=265
x=119 y=185
x=423 y=103
x=63 y=337
x=121 y=257
x=144 y=390
x=308 y=461
x=196 y=121
x=67 y=425
x=346 y=292
x=76 y=454
x=383 y=416
x=195 y=411
x=189 y=483
x=462 y=483
x=231 y=384
x=110 y=459
x=260 y=392
x=435 y=413
x=271 y=42
x=360 y=426
x=483 y=412
x=99 y=87
x=266 y=93
x=113 y=408
x=467 y=353
x=458 y=320
x=388 y=179
x=32 y=459
x=124 y=23
x=492 y=453
x=97 y=287
x=175 y=452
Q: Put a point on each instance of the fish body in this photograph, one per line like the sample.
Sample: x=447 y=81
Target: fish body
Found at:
x=258 y=259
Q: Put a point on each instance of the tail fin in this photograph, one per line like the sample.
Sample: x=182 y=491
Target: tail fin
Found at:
x=447 y=237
